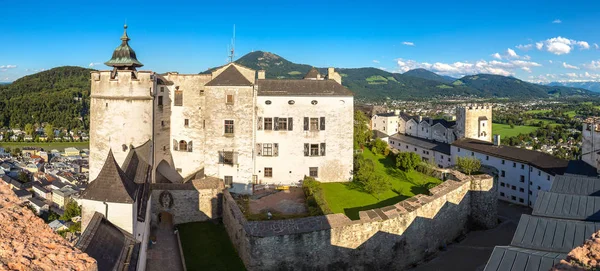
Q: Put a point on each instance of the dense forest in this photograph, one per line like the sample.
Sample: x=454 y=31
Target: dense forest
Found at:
x=60 y=96
x=372 y=84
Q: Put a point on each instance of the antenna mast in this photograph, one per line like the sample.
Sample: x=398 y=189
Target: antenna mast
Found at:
x=232 y=52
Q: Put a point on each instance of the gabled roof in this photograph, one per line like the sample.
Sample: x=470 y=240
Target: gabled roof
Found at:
x=511 y=258
x=313 y=73
x=274 y=87
x=111 y=185
x=540 y=160
x=112 y=247
x=231 y=76
x=433 y=145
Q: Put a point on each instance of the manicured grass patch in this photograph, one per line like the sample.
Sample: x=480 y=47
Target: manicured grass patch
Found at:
x=349 y=198
x=206 y=246
x=504 y=130
x=46 y=146
x=571 y=113
x=544 y=121
x=294 y=73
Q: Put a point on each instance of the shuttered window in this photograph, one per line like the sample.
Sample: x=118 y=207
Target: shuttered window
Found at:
x=290 y=123
x=305 y=123
x=259 y=123
x=268 y=124
x=322 y=122
x=178 y=98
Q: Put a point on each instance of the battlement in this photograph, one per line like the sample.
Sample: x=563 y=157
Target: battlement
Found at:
x=124 y=84
x=475 y=107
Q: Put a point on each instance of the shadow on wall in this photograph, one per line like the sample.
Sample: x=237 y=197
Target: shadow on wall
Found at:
x=384 y=239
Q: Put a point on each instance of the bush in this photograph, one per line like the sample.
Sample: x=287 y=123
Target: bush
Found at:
x=315 y=200
x=379 y=146
x=468 y=165
x=376 y=185
x=407 y=161
x=386 y=152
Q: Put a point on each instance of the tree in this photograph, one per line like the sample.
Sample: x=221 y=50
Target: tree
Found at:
x=364 y=168
x=362 y=134
x=407 y=161
x=52 y=216
x=376 y=185
x=49 y=131
x=379 y=146
x=23 y=177
x=71 y=210
x=29 y=129
x=468 y=165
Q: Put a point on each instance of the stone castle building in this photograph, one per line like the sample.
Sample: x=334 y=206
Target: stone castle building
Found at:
x=161 y=146
x=231 y=123
x=522 y=173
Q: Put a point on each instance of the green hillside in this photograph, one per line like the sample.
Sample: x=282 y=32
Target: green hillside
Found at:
x=371 y=84
x=429 y=75
x=60 y=96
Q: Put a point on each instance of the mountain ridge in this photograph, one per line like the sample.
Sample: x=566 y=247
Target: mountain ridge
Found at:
x=372 y=84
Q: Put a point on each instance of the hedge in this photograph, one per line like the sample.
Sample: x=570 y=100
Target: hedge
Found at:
x=315 y=200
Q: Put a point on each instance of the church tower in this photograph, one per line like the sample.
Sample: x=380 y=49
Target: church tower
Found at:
x=121 y=110
x=474 y=121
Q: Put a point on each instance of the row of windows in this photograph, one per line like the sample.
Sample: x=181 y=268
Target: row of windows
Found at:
x=229 y=99
x=287 y=124
x=312 y=172
x=514 y=198
x=291 y=102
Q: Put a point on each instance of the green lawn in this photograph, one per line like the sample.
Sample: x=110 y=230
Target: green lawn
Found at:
x=349 y=198
x=504 y=130
x=47 y=146
x=206 y=246
x=571 y=113
x=545 y=121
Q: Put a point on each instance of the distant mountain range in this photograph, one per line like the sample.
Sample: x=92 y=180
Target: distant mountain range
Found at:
x=372 y=84
x=590 y=85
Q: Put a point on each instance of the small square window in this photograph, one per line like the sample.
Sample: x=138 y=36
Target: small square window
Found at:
x=539 y=173
x=186 y=122
x=229 y=99
x=267 y=149
x=228 y=180
x=522 y=179
x=502 y=184
x=548 y=177
x=522 y=166
x=503 y=162
x=514 y=164
x=513 y=187
x=539 y=187
x=513 y=197
x=530 y=193
x=313 y=172
x=458 y=149
x=268 y=172
x=502 y=173
x=472 y=154
x=314 y=124
x=162 y=123
x=521 y=190
x=487 y=158
x=502 y=194
x=160 y=100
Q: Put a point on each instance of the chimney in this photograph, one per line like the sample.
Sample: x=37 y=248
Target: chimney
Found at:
x=496 y=140
x=430 y=121
x=420 y=118
x=332 y=75
x=261 y=74
x=330 y=71
x=397 y=112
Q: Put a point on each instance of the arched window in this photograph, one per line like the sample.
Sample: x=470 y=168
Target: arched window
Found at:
x=182 y=145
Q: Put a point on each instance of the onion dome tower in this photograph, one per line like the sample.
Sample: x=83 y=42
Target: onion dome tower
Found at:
x=124 y=58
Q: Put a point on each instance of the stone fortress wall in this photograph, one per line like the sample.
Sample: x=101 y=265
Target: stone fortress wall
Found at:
x=390 y=238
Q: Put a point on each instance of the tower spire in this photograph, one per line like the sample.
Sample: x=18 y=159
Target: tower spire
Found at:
x=124 y=57
x=125 y=38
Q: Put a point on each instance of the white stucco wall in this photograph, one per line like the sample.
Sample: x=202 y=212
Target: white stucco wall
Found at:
x=290 y=166
x=440 y=159
x=121 y=113
x=513 y=171
x=385 y=124
x=120 y=214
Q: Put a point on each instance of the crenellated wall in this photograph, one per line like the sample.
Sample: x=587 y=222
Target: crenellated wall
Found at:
x=390 y=238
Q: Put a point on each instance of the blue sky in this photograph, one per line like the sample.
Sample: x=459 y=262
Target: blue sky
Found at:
x=531 y=40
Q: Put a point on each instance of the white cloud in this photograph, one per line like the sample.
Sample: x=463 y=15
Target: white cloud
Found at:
x=511 y=53
x=463 y=68
x=539 y=45
x=527 y=69
x=593 y=65
x=93 y=64
x=572 y=75
x=409 y=43
x=567 y=66
x=525 y=47
x=383 y=68
x=560 y=45
x=550 y=61
x=375 y=61
x=557 y=21
x=596 y=46
x=526 y=57
x=497 y=56
x=8 y=66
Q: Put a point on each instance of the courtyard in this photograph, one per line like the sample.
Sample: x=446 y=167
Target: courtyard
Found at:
x=349 y=198
x=206 y=246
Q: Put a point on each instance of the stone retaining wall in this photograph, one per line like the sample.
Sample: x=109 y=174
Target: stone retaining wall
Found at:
x=197 y=200
x=390 y=238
